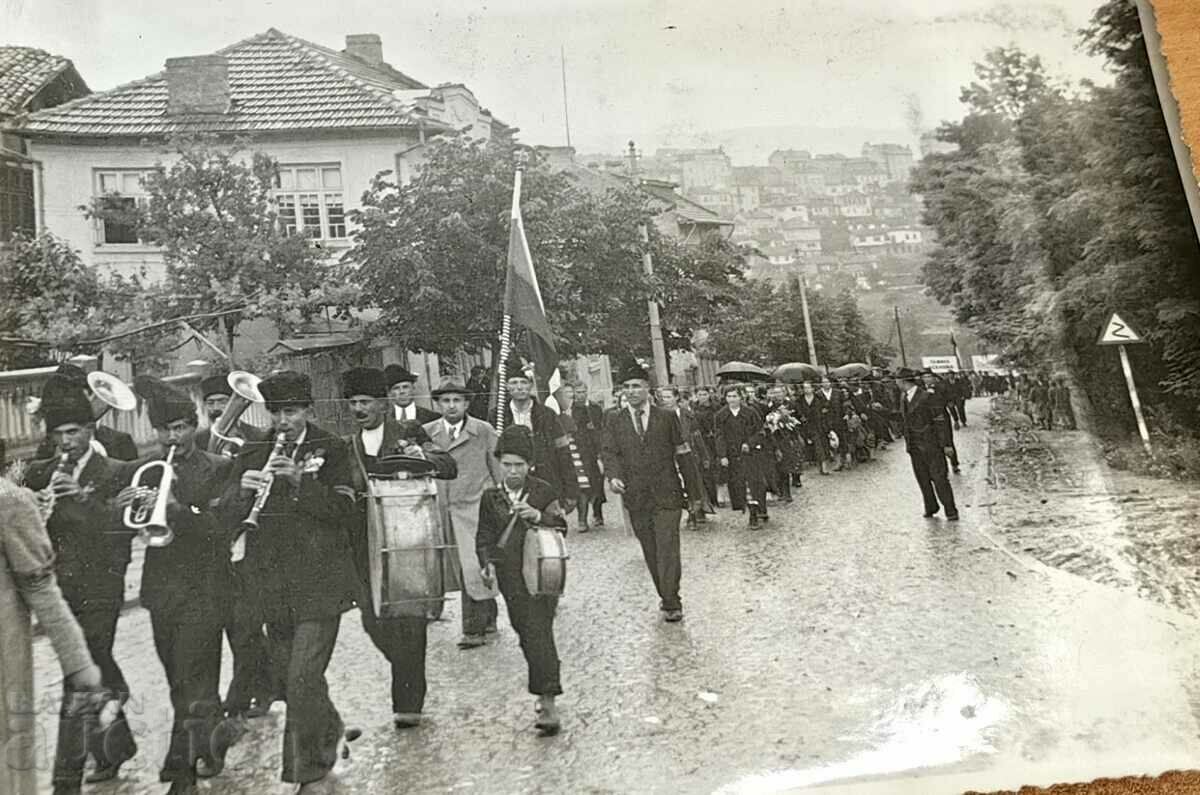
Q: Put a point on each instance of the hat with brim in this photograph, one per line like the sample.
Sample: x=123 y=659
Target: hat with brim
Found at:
x=368 y=381
x=906 y=374
x=396 y=374
x=164 y=403
x=516 y=440
x=286 y=389
x=64 y=403
x=215 y=385
x=450 y=386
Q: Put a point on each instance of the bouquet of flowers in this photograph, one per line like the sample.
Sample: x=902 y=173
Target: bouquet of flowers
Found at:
x=781 y=421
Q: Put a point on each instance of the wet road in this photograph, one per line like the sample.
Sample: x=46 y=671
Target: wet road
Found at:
x=852 y=641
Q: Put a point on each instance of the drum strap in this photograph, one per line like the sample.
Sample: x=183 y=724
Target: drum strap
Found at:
x=512 y=522
x=372 y=503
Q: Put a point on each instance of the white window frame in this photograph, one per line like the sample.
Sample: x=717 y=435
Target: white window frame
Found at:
x=140 y=197
x=287 y=190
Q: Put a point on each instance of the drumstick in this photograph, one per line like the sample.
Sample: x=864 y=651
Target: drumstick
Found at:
x=512 y=519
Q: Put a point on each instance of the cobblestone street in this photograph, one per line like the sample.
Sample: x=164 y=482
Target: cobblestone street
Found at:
x=848 y=641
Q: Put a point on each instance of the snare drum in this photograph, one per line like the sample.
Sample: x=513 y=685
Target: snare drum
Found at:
x=545 y=562
x=408 y=548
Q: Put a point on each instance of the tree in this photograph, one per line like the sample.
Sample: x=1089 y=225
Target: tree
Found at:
x=54 y=302
x=430 y=257
x=212 y=212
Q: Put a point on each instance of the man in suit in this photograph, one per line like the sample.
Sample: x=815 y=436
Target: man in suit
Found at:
x=477 y=387
x=942 y=394
x=705 y=413
x=551 y=447
x=91 y=551
x=646 y=458
x=251 y=689
x=668 y=399
x=108 y=442
x=472 y=443
x=927 y=439
x=183 y=584
x=215 y=393
x=401 y=639
x=303 y=560
x=588 y=419
x=402 y=391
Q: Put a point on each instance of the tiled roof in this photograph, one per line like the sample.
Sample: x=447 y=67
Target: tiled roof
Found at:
x=277 y=83
x=23 y=72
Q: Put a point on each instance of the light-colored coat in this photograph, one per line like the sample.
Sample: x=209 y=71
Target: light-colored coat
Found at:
x=27 y=584
x=478 y=469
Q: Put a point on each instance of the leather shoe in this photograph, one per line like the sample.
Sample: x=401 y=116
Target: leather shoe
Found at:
x=182 y=786
x=953 y=518
x=406 y=720
x=673 y=616
x=326 y=785
x=102 y=773
x=548 y=722
x=472 y=641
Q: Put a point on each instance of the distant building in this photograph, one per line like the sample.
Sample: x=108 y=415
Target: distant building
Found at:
x=896 y=161
x=709 y=168
x=30 y=80
x=789 y=159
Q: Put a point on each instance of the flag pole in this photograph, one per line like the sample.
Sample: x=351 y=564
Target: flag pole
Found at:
x=506 y=323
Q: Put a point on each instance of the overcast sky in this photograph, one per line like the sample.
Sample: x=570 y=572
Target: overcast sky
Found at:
x=661 y=72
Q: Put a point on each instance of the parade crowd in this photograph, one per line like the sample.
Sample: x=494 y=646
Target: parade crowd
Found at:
x=266 y=536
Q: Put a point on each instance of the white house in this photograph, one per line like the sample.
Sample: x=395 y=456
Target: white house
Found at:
x=333 y=119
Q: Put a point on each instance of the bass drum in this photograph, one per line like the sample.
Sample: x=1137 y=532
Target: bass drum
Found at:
x=545 y=563
x=410 y=556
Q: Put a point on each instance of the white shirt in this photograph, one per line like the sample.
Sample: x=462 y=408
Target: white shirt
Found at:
x=408 y=412
x=908 y=396
x=372 y=439
x=513 y=496
x=522 y=417
x=454 y=430
x=645 y=412
x=734 y=411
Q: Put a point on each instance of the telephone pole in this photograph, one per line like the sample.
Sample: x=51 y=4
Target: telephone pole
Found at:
x=812 y=349
x=900 y=336
x=661 y=376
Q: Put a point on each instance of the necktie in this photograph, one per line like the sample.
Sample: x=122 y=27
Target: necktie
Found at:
x=637 y=421
x=453 y=432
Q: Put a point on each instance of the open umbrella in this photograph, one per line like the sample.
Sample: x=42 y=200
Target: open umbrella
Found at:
x=851 y=371
x=797 y=373
x=742 y=371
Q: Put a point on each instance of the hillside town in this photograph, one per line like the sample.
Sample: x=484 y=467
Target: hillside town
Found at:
x=856 y=462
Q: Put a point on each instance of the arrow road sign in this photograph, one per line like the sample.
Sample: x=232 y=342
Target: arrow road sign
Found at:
x=1117 y=332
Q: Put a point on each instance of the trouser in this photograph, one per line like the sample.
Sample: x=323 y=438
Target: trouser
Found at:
x=961 y=406
x=953 y=455
x=252 y=674
x=929 y=467
x=402 y=640
x=594 y=499
x=952 y=408
x=746 y=474
x=79 y=732
x=477 y=614
x=657 y=530
x=532 y=617
x=190 y=652
x=783 y=480
x=708 y=476
x=302 y=648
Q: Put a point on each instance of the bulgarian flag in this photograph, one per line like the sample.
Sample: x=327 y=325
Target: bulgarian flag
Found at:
x=523 y=299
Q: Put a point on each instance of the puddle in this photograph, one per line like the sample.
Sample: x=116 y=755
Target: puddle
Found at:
x=932 y=724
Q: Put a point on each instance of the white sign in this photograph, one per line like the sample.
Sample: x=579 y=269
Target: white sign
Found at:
x=940 y=364
x=1117 y=332
x=986 y=364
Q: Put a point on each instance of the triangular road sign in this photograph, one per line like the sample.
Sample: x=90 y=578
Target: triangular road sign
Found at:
x=1117 y=332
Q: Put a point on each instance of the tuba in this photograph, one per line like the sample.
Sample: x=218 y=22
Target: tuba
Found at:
x=109 y=392
x=150 y=519
x=245 y=392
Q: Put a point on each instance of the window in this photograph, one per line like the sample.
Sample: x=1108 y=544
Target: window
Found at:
x=309 y=198
x=16 y=198
x=119 y=190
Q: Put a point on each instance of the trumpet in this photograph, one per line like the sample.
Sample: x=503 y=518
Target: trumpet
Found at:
x=264 y=491
x=245 y=392
x=150 y=520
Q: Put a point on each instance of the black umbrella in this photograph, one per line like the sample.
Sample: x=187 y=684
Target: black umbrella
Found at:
x=797 y=373
x=743 y=371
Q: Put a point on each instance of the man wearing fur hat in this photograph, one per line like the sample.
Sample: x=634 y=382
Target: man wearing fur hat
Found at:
x=301 y=554
x=251 y=687
x=183 y=584
x=401 y=386
x=108 y=442
x=92 y=551
x=471 y=441
x=401 y=639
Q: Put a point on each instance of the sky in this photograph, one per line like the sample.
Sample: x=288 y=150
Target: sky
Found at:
x=749 y=74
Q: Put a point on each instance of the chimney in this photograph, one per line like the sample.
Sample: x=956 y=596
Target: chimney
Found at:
x=367 y=47
x=198 y=84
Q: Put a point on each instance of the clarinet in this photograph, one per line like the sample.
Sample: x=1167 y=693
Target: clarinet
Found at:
x=264 y=491
x=46 y=498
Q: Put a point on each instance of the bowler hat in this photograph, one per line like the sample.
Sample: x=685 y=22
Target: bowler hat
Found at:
x=286 y=388
x=368 y=381
x=906 y=374
x=397 y=374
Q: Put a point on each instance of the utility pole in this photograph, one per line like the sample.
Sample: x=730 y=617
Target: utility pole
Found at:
x=900 y=336
x=566 y=116
x=656 y=338
x=812 y=349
